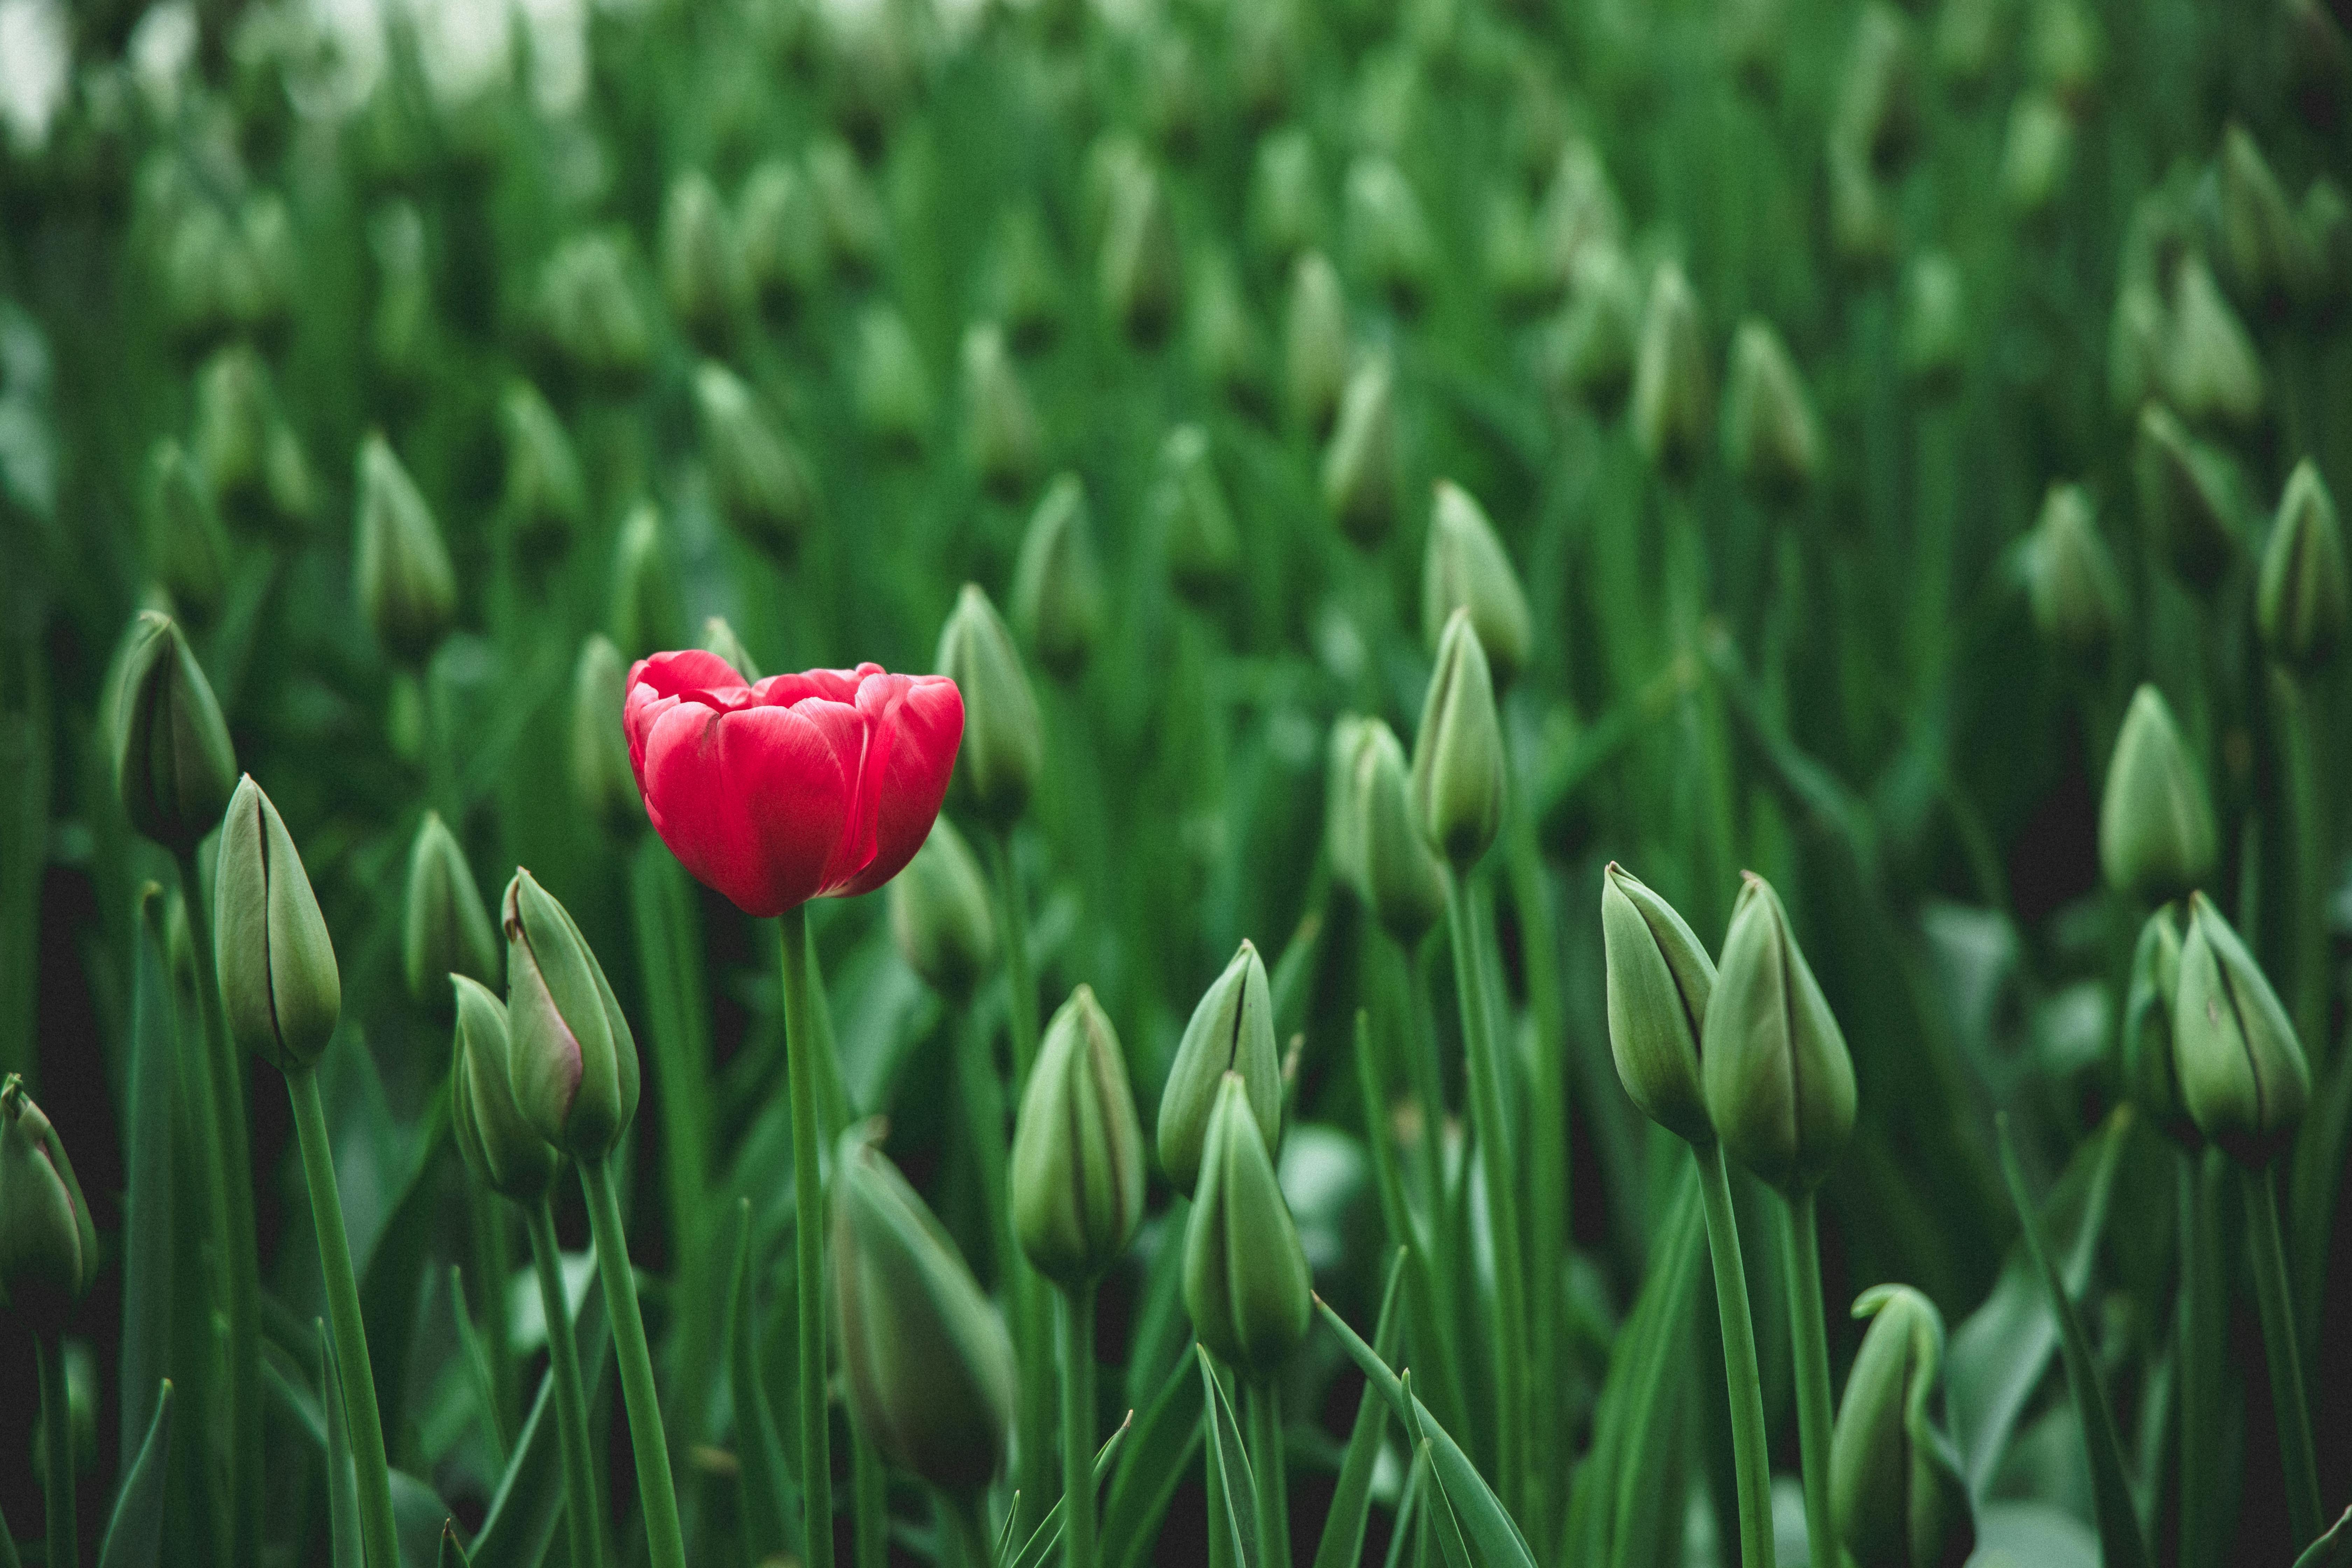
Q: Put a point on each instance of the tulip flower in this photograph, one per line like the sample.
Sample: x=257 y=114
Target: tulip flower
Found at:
x=780 y=235
x=1457 y=754
x=1230 y=1032
x=2211 y=369
x=184 y=542
x=1659 y=980
x=2244 y=1076
x=1403 y=879
x=2069 y=578
x=174 y=766
x=1006 y=749
x=2301 y=602
x=1674 y=392
x=1245 y=1278
x=2155 y=824
x=892 y=385
x=1360 y=461
x=1285 y=201
x=1388 y=235
x=504 y=1151
x=1077 y=1150
x=546 y=495
x=1313 y=343
x=1465 y=566
x=401 y=573
x=758 y=479
x=702 y=272
x=1343 y=817
x=940 y=915
x=445 y=926
x=1770 y=438
x=280 y=989
x=48 y=1248
x=2151 y=1065
x=1895 y=1483
x=646 y=613
x=1195 y=524
x=1057 y=590
x=1000 y=426
x=2184 y=497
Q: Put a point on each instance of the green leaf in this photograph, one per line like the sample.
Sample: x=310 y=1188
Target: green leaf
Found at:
x=453 y=1552
x=343 y=1475
x=528 y=1500
x=1233 y=1491
x=1150 y=1466
x=1352 y=1499
x=398 y=1260
x=419 y=1518
x=476 y=1362
x=147 y=1211
x=2119 y=1534
x=135 y=1537
x=757 y=1446
x=1042 y=1542
x=2333 y=1550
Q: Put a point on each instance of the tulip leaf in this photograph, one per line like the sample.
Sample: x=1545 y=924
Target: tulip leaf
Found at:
x=1048 y=1534
x=2120 y=1540
x=529 y=1500
x=397 y=1256
x=419 y=1517
x=2333 y=1550
x=343 y=1475
x=134 y=1536
x=2314 y=1172
x=476 y=1359
x=453 y=1552
x=1151 y=1465
x=1352 y=1499
x=1233 y=1491
x=147 y=1218
x=756 y=1445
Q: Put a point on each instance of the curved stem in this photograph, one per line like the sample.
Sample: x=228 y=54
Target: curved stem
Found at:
x=1263 y=1398
x=665 y=1541
x=808 y=1235
x=56 y=1440
x=233 y=1171
x=1079 y=1427
x=358 y=1374
x=2267 y=1254
x=584 y=1520
x=1809 y=1328
x=1750 y=1459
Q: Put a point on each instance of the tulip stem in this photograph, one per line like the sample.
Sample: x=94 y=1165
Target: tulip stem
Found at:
x=1809 y=1327
x=2268 y=1256
x=869 y=1501
x=357 y=1374
x=1032 y=1308
x=983 y=1093
x=1429 y=1085
x=665 y=1541
x=1022 y=1000
x=2306 y=858
x=1263 y=1400
x=57 y=1438
x=1079 y=1427
x=2198 y=1363
x=233 y=1207
x=583 y=1522
x=808 y=1236
x=1751 y=1459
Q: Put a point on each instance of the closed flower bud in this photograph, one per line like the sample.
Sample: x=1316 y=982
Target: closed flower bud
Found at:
x=2242 y=1073
x=2151 y=1067
x=2070 y=579
x=850 y=213
x=2136 y=338
x=1769 y=438
x=1004 y=748
x=403 y=334
x=2157 y=839
x=2037 y=153
x=1000 y=427
x=1465 y=567
x=1230 y=1032
x=719 y=636
x=1057 y=590
x=1659 y=980
x=1773 y=1063
x=573 y=1059
x=1025 y=282
x=1862 y=213
x=646 y=613
x=174 y=766
x=2327 y=220
x=499 y=1146
x=2184 y=498
x=1313 y=343
x=1388 y=236
x=280 y=986
x=186 y=546
x=447 y=927
x=236 y=411
x=926 y=1363
x=1895 y=1489
x=2211 y=372
x=1343 y=816
x=401 y=573
x=1196 y=527
x=2261 y=249
x=1590 y=355
x=940 y=915
x=893 y=387
x=780 y=235
x=1876 y=114
x=48 y=1248
x=1515 y=264
x=546 y=495
x=1403 y=881
x=602 y=780
x=1581 y=212
x=1285 y=202
x=1138 y=271
x=2300 y=604
x=1228 y=350
x=1246 y=1280
x=2065 y=49
x=701 y=267
x=1359 y=462
x=286 y=479
x=1458 y=766
x=759 y=483
x=592 y=312
x=1933 y=338
x=1075 y=1184
x=1674 y=393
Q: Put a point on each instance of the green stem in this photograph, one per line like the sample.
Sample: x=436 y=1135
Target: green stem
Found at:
x=1547 y=1165
x=2198 y=1367
x=1263 y=1400
x=1022 y=1001
x=240 y=1265
x=2307 y=855
x=869 y=1501
x=57 y=1441
x=983 y=1093
x=493 y=1266
x=1509 y=1349
x=1429 y=1086
x=358 y=1373
x=808 y=1235
x=1750 y=1457
x=1033 y=1307
x=584 y=1520
x=1079 y=1427
x=1809 y=1329
x=2268 y=1256
x=962 y=1542
x=665 y=1541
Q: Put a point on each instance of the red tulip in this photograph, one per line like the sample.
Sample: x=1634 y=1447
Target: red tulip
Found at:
x=802 y=787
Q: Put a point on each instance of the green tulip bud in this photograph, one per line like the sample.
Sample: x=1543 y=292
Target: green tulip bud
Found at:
x=1969 y=34
x=173 y=765
x=1895 y=1489
x=942 y=917
x=280 y=986
x=1458 y=766
x=1674 y=396
x=48 y=1248
x=236 y=411
x=2151 y=1064
x=1196 y=526
x=197 y=257
x=546 y=494
x=1513 y=255
x=2136 y=338
x=1659 y=981
x=401 y=573
x=1769 y=438
x=1172 y=91
x=646 y=613
x=719 y=636
x=265 y=264
x=1359 y=462
x=402 y=331
x=2326 y=222
x=1773 y=1063
x=1286 y=199
x=780 y=235
x=184 y=543
x=1231 y=1033
x=602 y=778
x=1004 y=747
x=1000 y=428
x=1076 y=1178
x=1934 y=333
x=1057 y=591
x=1465 y=567
x=1876 y=114
x=1581 y=212
x=1138 y=271
x=1246 y=1280
x=2070 y=579
x=757 y=478
x=499 y=1146
x=1862 y=213
x=2184 y=497
x=1313 y=343
x=1588 y=355
x=702 y=271
x=1343 y=816
x=1388 y=236
x=292 y=494
x=572 y=1058
x=1025 y=283
x=893 y=387
x=1228 y=350
x=2066 y=50
x=2261 y=249
x=2211 y=372
x=2300 y=604
x=926 y=1363
x=592 y=312
x=1403 y=880
x=2157 y=839
x=855 y=229
x=447 y=927
x=2242 y=1073
x=2037 y=153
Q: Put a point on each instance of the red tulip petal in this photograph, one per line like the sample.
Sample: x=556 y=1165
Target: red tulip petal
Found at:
x=752 y=802
x=923 y=718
